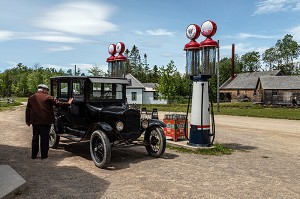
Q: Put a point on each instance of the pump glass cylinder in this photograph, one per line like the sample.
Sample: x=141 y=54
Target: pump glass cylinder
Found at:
x=120 y=72
x=208 y=61
x=111 y=69
x=192 y=62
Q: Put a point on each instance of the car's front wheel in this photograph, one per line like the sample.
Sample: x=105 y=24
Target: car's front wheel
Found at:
x=100 y=149
x=155 y=141
x=53 y=138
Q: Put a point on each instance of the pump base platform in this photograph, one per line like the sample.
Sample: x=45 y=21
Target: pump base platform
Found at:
x=184 y=143
x=11 y=182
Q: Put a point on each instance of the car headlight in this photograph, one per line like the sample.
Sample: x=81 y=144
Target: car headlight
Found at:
x=145 y=124
x=119 y=126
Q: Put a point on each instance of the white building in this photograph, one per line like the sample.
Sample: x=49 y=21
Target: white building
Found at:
x=142 y=93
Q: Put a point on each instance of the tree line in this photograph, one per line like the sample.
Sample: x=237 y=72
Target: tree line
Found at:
x=173 y=86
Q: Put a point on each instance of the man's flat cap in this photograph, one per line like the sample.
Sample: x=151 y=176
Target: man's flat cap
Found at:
x=43 y=86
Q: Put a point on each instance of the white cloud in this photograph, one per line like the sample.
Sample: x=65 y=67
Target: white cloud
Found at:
x=6 y=35
x=54 y=37
x=248 y=35
x=160 y=32
x=242 y=48
x=138 y=32
x=60 y=48
x=295 y=32
x=82 y=18
x=272 y=6
x=41 y=36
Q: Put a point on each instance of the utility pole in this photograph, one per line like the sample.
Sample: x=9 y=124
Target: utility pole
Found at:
x=218 y=79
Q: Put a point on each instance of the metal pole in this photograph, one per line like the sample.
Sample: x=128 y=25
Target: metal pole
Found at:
x=75 y=71
x=218 y=79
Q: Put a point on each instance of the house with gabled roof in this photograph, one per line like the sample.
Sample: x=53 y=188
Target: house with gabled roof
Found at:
x=278 y=90
x=142 y=93
x=242 y=86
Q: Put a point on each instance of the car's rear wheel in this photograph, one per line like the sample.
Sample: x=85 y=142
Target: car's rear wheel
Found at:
x=53 y=138
x=155 y=141
x=100 y=149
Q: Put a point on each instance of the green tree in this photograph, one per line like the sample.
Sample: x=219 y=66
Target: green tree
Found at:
x=283 y=53
x=251 y=61
x=154 y=74
x=167 y=83
x=96 y=71
x=270 y=57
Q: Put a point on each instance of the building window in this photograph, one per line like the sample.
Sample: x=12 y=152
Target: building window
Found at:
x=274 y=92
x=238 y=92
x=155 y=96
x=254 y=93
x=133 y=96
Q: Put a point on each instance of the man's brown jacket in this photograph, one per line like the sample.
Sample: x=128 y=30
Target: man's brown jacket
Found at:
x=39 y=110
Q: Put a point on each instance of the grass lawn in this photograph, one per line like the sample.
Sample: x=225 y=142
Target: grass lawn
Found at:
x=229 y=108
x=239 y=109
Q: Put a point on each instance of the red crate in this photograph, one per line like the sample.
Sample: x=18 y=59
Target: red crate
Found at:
x=174 y=128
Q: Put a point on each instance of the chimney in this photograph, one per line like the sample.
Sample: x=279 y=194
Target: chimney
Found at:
x=232 y=62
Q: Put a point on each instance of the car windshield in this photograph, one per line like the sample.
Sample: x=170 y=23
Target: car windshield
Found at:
x=106 y=91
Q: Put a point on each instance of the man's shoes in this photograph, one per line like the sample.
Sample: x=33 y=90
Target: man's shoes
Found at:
x=44 y=157
x=33 y=157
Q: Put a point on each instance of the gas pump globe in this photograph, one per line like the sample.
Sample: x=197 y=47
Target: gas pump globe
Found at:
x=208 y=49
x=200 y=125
x=120 y=60
x=111 y=60
x=192 y=50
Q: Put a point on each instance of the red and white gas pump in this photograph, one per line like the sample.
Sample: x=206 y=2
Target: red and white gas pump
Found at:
x=111 y=60
x=120 y=60
x=116 y=63
x=200 y=68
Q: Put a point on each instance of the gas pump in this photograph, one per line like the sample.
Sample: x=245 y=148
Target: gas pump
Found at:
x=111 y=60
x=200 y=73
x=120 y=60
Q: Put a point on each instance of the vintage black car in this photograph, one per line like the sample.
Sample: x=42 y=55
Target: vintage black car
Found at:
x=99 y=113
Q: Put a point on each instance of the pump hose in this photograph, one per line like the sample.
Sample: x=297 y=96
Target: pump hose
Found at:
x=187 y=113
x=213 y=134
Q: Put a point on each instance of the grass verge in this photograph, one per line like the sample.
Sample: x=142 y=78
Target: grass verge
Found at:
x=217 y=150
x=239 y=109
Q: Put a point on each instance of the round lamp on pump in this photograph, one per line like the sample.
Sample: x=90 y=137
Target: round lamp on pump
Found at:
x=192 y=50
x=208 y=48
x=111 y=60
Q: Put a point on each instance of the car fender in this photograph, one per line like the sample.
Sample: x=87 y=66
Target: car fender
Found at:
x=104 y=126
x=155 y=122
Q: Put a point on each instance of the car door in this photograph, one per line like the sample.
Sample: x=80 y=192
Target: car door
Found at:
x=77 y=110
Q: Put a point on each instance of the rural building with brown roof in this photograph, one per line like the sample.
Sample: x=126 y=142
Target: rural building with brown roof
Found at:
x=242 y=87
x=278 y=90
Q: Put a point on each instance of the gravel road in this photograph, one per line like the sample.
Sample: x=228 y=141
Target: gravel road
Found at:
x=265 y=164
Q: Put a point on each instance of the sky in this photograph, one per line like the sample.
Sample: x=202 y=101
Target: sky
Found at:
x=63 y=33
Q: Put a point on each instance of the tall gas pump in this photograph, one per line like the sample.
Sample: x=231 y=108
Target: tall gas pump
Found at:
x=111 y=60
x=200 y=67
x=120 y=60
x=116 y=64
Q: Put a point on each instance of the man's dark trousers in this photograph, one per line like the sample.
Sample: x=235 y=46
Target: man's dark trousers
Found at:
x=41 y=131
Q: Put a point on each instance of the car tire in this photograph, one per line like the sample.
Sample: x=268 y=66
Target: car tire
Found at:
x=53 y=138
x=155 y=141
x=100 y=149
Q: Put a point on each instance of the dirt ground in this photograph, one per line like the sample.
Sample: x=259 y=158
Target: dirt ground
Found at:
x=265 y=164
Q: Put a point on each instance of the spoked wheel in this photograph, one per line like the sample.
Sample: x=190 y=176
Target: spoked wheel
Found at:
x=100 y=149
x=53 y=138
x=155 y=141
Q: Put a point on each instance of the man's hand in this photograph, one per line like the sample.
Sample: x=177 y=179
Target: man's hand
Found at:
x=70 y=101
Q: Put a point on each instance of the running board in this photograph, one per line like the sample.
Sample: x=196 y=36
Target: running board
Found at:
x=71 y=137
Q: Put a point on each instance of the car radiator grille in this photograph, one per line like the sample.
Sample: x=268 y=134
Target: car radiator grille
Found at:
x=132 y=123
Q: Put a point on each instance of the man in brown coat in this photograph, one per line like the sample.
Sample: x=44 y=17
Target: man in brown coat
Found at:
x=40 y=114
